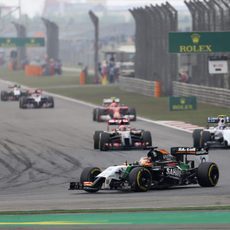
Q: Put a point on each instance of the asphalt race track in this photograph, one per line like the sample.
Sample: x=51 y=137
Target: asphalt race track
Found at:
x=42 y=150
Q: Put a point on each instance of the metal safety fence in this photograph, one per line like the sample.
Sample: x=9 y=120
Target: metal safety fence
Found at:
x=211 y=16
x=152 y=61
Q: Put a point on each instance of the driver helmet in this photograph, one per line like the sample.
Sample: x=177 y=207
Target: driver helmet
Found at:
x=114 y=104
x=221 y=123
x=145 y=161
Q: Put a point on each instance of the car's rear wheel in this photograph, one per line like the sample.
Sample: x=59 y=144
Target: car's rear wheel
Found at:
x=104 y=141
x=22 y=102
x=4 y=96
x=205 y=137
x=132 y=111
x=98 y=112
x=197 y=138
x=51 y=102
x=96 y=139
x=94 y=114
x=89 y=175
x=208 y=174
x=140 y=179
x=147 y=138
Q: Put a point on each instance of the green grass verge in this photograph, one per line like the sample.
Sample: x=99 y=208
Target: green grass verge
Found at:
x=173 y=209
x=68 y=78
x=149 y=107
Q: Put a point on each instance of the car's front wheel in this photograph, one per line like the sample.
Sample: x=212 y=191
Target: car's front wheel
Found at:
x=140 y=179
x=89 y=175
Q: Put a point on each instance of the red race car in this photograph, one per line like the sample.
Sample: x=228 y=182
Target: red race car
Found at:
x=112 y=109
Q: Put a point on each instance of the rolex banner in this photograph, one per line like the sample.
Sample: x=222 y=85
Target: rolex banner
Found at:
x=182 y=103
x=199 y=42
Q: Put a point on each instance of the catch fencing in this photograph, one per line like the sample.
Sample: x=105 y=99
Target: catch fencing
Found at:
x=211 y=16
x=152 y=60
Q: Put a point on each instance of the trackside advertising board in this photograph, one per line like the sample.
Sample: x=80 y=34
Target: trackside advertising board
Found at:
x=10 y=42
x=182 y=103
x=199 y=42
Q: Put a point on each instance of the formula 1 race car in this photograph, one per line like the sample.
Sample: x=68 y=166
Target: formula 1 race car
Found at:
x=121 y=137
x=111 y=108
x=215 y=136
x=158 y=169
x=36 y=100
x=13 y=94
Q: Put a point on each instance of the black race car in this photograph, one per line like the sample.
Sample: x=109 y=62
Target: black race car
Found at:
x=36 y=100
x=159 y=169
x=13 y=94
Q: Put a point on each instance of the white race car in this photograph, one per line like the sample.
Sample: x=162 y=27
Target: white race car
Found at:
x=121 y=137
x=36 y=100
x=13 y=94
x=214 y=136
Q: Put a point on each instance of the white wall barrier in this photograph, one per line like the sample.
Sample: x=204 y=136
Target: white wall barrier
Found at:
x=137 y=86
x=210 y=95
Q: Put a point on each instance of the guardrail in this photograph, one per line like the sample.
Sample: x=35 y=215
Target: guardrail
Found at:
x=148 y=88
x=210 y=95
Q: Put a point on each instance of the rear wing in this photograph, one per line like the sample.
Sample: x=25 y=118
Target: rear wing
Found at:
x=122 y=121
x=190 y=154
x=217 y=119
x=188 y=151
x=108 y=101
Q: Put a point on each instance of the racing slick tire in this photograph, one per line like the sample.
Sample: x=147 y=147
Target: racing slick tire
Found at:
x=4 y=96
x=51 y=102
x=132 y=111
x=205 y=137
x=140 y=179
x=207 y=174
x=99 y=112
x=89 y=174
x=22 y=102
x=104 y=139
x=96 y=139
x=147 y=138
x=94 y=114
x=197 y=138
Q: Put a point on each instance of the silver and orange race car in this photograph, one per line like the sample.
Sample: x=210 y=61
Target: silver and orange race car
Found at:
x=111 y=108
x=159 y=169
x=119 y=135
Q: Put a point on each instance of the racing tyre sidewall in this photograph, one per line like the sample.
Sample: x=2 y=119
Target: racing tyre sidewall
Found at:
x=89 y=174
x=140 y=179
x=197 y=138
x=103 y=140
x=132 y=111
x=96 y=139
x=147 y=138
x=3 y=96
x=205 y=137
x=207 y=174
